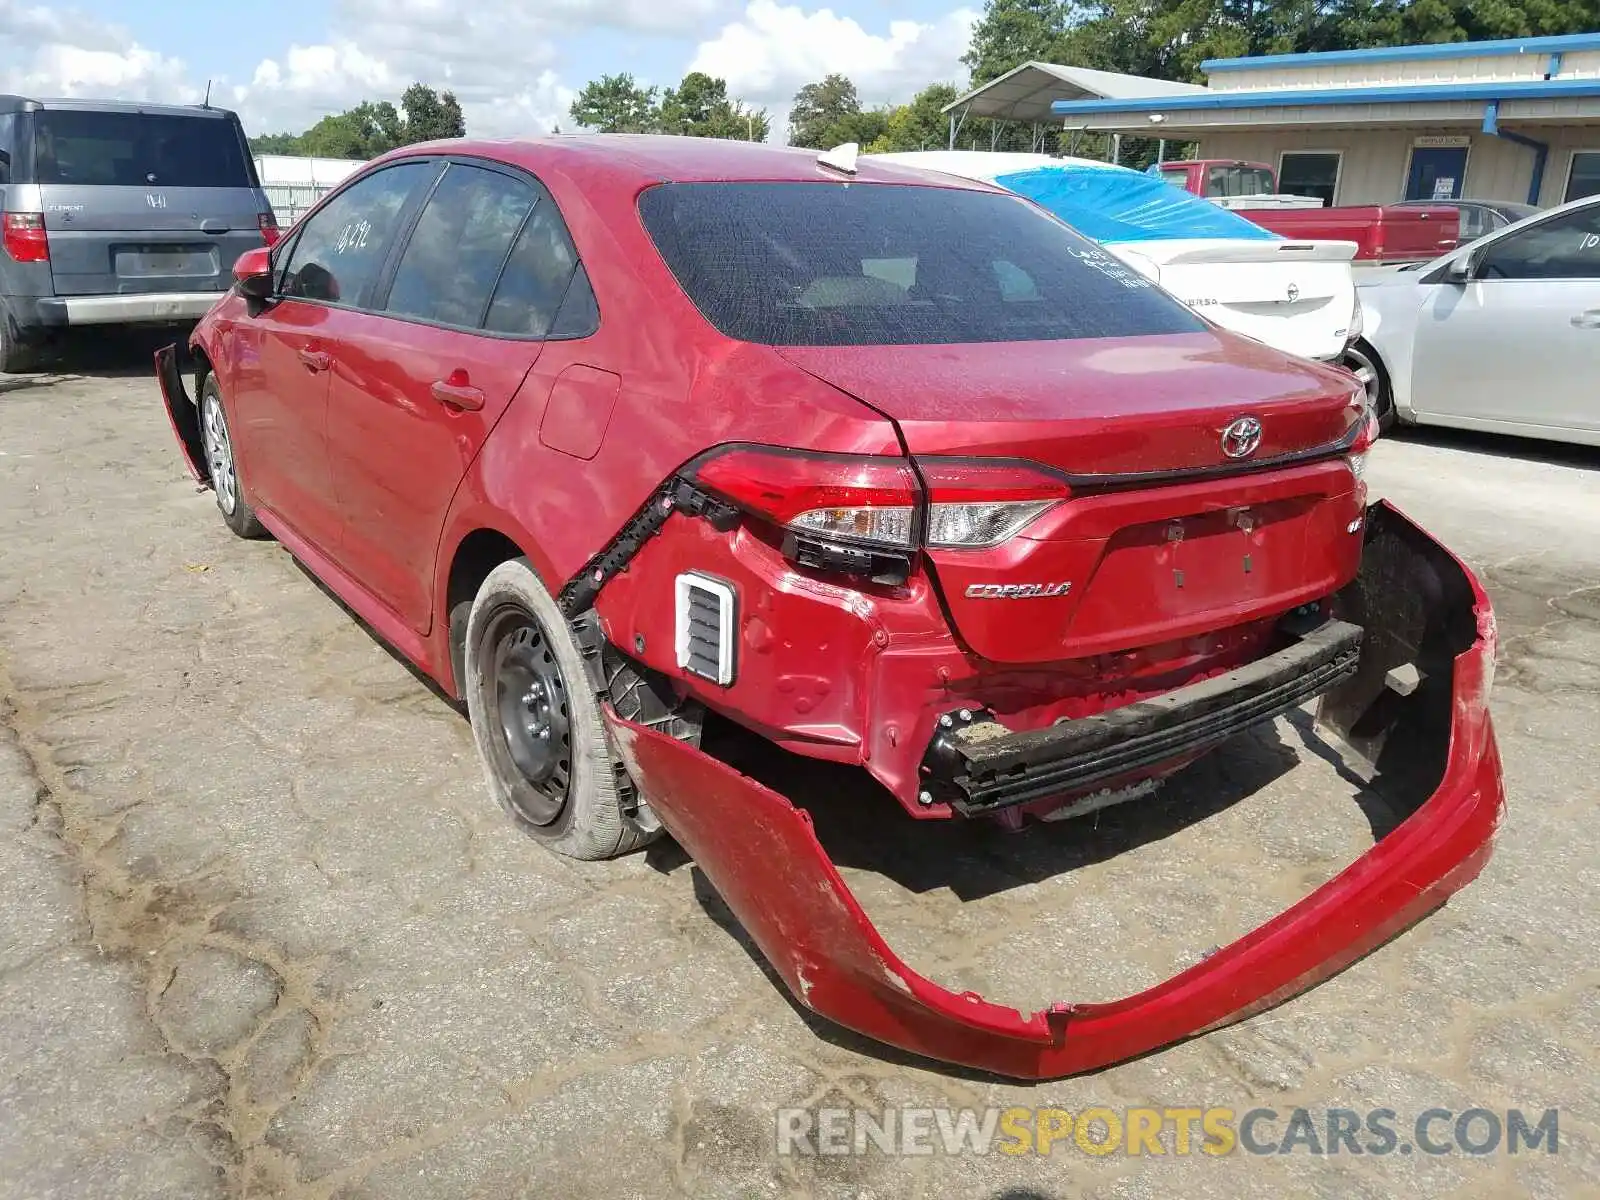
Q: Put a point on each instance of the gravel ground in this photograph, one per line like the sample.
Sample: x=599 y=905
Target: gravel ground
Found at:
x=262 y=934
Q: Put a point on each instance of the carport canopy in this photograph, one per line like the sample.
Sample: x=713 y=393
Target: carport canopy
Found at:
x=1026 y=93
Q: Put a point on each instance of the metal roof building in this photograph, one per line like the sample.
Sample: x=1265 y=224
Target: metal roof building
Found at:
x=1517 y=119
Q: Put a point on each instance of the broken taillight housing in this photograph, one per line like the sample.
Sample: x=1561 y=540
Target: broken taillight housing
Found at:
x=878 y=501
x=24 y=237
x=1356 y=456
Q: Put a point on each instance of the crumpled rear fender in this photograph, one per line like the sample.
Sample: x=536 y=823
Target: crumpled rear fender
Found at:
x=182 y=413
x=1427 y=681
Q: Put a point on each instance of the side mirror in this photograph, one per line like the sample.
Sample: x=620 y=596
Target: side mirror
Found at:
x=1461 y=270
x=252 y=270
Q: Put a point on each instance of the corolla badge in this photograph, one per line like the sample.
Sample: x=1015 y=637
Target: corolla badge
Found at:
x=1016 y=591
x=1241 y=437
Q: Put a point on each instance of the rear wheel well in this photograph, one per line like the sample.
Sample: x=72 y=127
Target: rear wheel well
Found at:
x=480 y=552
x=202 y=366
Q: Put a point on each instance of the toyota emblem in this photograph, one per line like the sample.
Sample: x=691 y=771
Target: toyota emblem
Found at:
x=1241 y=437
x=1294 y=293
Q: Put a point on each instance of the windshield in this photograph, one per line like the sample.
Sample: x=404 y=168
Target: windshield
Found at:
x=831 y=264
x=137 y=150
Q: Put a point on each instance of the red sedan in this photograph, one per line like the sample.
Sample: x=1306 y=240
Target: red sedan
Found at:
x=896 y=471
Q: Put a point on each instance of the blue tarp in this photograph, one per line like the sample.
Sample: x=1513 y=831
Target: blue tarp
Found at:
x=1111 y=204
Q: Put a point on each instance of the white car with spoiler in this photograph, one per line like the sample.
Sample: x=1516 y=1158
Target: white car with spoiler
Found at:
x=1298 y=296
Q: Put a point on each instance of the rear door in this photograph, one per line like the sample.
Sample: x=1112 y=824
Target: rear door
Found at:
x=1518 y=344
x=417 y=387
x=138 y=202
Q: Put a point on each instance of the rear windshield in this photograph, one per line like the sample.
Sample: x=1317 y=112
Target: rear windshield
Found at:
x=137 y=150
x=1238 y=181
x=829 y=264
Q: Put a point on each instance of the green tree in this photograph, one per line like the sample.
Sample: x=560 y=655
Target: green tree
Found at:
x=365 y=131
x=431 y=115
x=276 y=143
x=829 y=113
x=700 y=107
x=616 y=104
x=918 y=125
x=1012 y=32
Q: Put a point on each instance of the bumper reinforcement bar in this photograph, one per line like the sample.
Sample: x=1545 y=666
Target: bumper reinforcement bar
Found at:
x=979 y=766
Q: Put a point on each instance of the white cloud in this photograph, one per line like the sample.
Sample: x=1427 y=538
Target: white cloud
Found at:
x=48 y=51
x=775 y=49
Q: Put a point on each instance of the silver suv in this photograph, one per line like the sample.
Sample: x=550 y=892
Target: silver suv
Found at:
x=118 y=214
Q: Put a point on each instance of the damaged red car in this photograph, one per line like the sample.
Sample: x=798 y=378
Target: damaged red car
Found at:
x=892 y=469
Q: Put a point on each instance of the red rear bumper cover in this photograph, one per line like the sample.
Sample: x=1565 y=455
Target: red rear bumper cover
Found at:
x=762 y=855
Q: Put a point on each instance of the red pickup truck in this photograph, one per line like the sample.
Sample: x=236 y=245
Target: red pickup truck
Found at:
x=1384 y=233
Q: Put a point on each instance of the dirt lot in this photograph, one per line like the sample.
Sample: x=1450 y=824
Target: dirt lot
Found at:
x=261 y=934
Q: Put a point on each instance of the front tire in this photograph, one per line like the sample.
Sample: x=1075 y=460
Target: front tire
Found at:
x=1362 y=361
x=225 y=484
x=537 y=722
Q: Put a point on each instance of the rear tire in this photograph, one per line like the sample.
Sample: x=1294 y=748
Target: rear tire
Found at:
x=15 y=357
x=1363 y=362
x=537 y=722
x=225 y=482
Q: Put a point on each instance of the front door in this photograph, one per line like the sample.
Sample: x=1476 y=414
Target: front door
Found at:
x=1437 y=173
x=417 y=389
x=1519 y=344
x=284 y=365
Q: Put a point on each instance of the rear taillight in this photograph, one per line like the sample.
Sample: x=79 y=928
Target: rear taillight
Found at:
x=972 y=504
x=1356 y=456
x=878 y=501
x=269 y=228
x=24 y=238
x=852 y=498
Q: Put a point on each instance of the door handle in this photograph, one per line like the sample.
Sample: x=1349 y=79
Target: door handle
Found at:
x=316 y=360
x=457 y=394
x=1588 y=320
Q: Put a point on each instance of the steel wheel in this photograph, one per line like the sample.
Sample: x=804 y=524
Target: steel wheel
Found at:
x=534 y=721
x=219 y=452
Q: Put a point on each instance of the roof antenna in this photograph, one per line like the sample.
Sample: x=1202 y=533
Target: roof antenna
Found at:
x=206 y=103
x=840 y=158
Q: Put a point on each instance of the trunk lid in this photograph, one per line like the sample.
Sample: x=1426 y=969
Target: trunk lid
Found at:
x=1094 y=406
x=1153 y=546
x=1295 y=296
x=139 y=201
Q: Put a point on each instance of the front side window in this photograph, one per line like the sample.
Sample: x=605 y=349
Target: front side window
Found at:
x=341 y=248
x=454 y=258
x=1564 y=247
x=826 y=264
x=1584 y=179
x=1309 y=173
x=130 y=149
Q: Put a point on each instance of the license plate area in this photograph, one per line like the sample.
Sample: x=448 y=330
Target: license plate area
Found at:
x=166 y=262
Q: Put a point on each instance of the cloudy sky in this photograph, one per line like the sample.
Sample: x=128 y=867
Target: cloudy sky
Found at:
x=514 y=63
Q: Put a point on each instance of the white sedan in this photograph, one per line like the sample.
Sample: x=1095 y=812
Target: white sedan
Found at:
x=1297 y=296
x=1501 y=335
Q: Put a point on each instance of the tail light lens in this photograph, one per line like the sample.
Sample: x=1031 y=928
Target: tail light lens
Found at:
x=1356 y=457
x=24 y=238
x=976 y=504
x=270 y=233
x=879 y=501
x=854 y=498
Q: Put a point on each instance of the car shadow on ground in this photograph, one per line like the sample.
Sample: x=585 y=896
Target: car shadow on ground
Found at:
x=1500 y=445
x=102 y=353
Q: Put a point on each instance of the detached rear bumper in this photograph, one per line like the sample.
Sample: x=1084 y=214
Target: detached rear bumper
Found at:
x=1419 y=607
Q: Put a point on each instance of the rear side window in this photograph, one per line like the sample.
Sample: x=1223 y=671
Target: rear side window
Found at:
x=137 y=150
x=536 y=278
x=342 y=246
x=454 y=258
x=825 y=264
